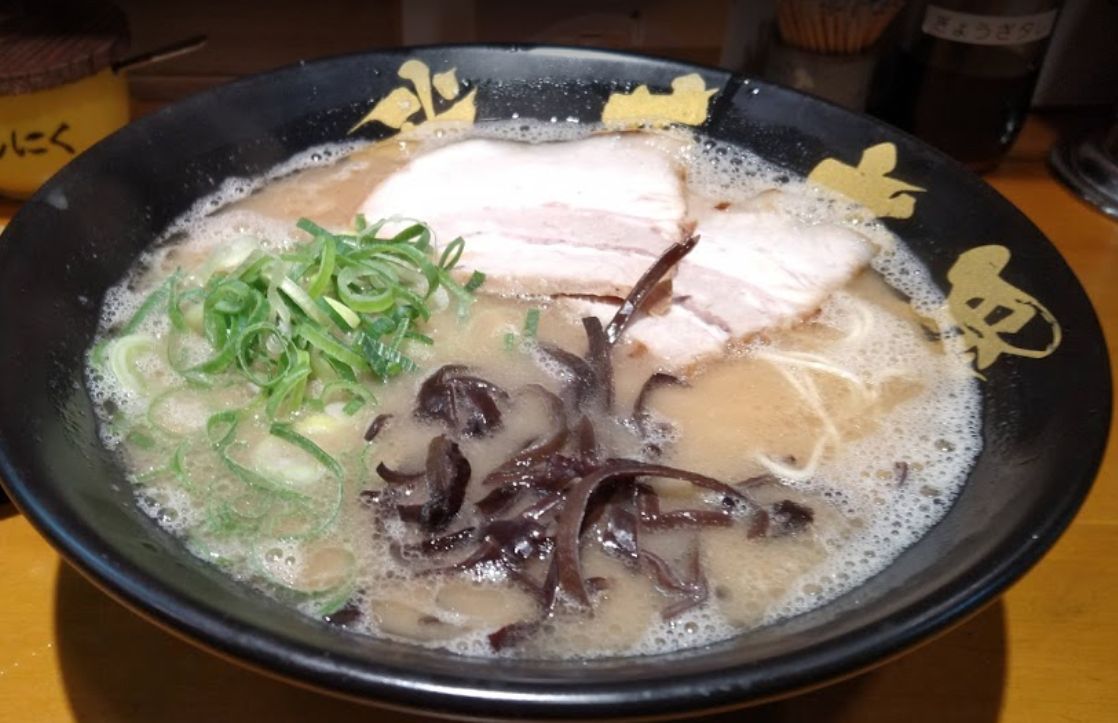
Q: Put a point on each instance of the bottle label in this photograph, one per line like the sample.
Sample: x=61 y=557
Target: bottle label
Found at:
x=987 y=29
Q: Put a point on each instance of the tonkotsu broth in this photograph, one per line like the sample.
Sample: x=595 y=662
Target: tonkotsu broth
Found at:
x=898 y=417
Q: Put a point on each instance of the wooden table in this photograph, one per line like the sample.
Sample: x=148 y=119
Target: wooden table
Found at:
x=1047 y=651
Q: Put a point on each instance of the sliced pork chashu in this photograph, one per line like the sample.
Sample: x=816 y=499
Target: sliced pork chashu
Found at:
x=757 y=270
x=584 y=217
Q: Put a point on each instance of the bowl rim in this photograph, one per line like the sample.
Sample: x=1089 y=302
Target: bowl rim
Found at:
x=470 y=697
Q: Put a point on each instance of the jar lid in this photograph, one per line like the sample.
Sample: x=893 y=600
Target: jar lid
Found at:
x=46 y=43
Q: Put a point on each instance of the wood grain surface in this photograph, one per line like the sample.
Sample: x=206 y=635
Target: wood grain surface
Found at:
x=1047 y=651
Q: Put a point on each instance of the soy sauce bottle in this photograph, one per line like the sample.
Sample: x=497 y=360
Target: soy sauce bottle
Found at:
x=962 y=74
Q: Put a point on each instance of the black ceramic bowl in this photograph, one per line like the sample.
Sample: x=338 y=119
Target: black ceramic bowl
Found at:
x=1047 y=402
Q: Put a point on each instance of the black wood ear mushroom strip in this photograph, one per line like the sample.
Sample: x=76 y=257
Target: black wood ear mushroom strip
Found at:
x=644 y=286
x=581 y=388
x=394 y=477
x=377 y=424
x=467 y=405
x=598 y=359
x=447 y=474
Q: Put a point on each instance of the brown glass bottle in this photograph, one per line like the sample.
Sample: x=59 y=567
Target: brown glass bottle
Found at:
x=962 y=74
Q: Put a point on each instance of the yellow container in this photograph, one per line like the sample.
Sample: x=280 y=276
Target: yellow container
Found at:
x=41 y=131
x=59 y=93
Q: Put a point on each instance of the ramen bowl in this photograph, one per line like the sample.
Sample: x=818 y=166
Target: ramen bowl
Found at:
x=1031 y=333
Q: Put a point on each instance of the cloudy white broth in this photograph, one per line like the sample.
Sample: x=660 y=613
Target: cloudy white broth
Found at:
x=476 y=445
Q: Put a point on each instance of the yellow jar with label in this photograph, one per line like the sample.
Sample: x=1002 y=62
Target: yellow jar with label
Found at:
x=59 y=93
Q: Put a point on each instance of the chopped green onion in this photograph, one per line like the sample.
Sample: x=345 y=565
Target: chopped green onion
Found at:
x=341 y=369
x=359 y=395
x=452 y=253
x=287 y=434
x=178 y=467
x=358 y=293
x=221 y=427
x=401 y=332
x=531 y=323
x=301 y=299
x=312 y=228
x=263 y=369
x=330 y=346
x=349 y=320
x=289 y=390
x=253 y=268
x=139 y=438
x=464 y=297
x=321 y=281
x=385 y=361
x=122 y=356
x=474 y=282
x=219 y=362
x=528 y=332
x=257 y=480
x=418 y=235
x=174 y=308
x=155 y=299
